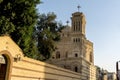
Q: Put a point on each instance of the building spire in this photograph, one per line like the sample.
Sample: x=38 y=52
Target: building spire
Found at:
x=78 y=7
x=67 y=22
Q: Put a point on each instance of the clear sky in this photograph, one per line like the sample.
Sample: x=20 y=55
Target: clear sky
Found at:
x=102 y=27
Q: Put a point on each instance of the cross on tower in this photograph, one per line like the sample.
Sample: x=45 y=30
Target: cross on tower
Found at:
x=78 y=8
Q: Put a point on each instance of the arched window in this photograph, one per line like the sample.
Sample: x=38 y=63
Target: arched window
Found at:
x=57 y=54
x=76 y=55
x=53 y=57
x=76 y=69
x=74 y=26
x=79 y=26
x=91 y=57
x=74 y=40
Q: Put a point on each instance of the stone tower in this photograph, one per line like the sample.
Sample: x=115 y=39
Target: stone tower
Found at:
x=74 y=51
x=78 y=23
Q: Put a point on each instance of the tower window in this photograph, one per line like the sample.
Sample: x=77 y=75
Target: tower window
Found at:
x=74 y=40
x=76 y=55
x=74 y=26
x=91 y=60
x=76 y=69
x=79 y=26
x=53 y=57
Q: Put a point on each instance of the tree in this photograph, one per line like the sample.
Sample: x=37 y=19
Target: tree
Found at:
x=47 y=31
x=18 y=18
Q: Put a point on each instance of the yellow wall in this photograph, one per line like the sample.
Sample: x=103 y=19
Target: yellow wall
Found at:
x=29 y=69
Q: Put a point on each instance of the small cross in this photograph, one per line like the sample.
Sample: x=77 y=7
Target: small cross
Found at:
x=78 y=8
x=67 y=22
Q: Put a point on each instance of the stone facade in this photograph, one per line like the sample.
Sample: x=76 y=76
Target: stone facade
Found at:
x=74 y=51
x=93 y=72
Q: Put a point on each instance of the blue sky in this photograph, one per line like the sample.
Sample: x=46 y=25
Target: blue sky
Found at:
x=102 y=27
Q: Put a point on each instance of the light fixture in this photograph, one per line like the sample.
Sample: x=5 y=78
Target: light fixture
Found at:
x=17 y=58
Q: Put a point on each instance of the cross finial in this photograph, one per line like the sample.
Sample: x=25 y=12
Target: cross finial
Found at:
x=67 y=22
x=78 y=7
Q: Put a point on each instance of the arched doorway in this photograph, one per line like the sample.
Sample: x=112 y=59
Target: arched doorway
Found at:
x=3 y=67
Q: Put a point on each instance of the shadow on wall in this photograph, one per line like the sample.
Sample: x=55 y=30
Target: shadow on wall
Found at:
x=14 y=66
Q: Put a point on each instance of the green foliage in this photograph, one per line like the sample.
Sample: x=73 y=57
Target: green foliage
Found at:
x=47 y=33
x=9 y=26
x=18 y=18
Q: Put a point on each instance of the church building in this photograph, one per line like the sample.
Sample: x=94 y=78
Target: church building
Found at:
x=74 y=51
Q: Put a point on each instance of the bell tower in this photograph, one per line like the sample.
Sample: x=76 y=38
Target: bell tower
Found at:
x=74 y=52
x=78 y=22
